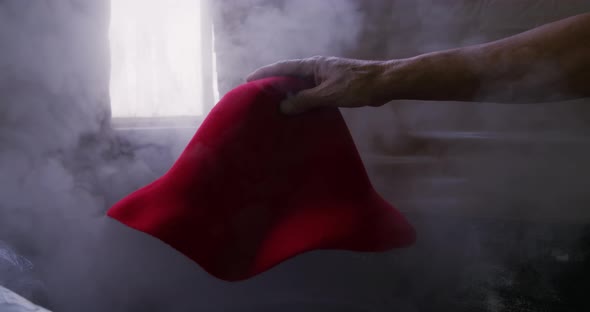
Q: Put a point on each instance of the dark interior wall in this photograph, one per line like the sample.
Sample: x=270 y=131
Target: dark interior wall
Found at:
x=54 y=81
x=57 y=49
x=253 y=33
x=497 y=192
x=54 y=78
x=451 y=140
x=61 y=166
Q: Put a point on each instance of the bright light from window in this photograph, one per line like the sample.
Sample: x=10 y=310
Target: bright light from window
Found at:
x=214 y=67
x=156 y=58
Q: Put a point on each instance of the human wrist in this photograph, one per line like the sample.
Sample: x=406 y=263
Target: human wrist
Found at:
x=398 y=78
x=385 y=80
x=438 y=76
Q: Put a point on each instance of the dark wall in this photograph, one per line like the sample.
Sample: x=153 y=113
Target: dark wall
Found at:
x=253 y=33
x=470 y=156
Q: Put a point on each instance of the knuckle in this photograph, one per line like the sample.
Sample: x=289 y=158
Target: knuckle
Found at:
x=280 y=64
x=317 y=58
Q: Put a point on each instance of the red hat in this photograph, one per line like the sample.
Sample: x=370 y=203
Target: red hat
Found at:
x=255 y=187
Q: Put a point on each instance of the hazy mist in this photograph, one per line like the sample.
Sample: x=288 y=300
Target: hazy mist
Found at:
x=489 y=187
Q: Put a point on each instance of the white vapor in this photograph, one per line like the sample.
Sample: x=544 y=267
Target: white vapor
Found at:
x=62 y=165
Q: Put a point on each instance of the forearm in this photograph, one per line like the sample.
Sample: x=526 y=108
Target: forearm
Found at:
x=548 y=63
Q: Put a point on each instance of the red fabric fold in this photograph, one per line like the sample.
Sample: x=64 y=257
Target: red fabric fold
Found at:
x=254 y=188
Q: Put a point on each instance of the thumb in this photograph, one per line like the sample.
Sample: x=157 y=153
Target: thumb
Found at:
x=303 y=101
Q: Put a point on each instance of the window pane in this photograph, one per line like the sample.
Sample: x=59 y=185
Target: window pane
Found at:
x=156 y=58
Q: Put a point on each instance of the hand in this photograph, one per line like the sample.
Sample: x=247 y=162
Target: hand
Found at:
x=339 y=82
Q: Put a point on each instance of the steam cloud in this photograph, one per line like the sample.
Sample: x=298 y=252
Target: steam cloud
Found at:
x=444 y=164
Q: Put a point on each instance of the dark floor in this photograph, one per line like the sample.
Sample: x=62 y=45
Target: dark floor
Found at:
x=457 y=265
x=539 y=267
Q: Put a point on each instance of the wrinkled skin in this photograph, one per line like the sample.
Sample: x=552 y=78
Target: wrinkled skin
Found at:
x=338 y=81
x=548 y=63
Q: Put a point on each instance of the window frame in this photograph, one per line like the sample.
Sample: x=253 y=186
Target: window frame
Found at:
x=208 y=97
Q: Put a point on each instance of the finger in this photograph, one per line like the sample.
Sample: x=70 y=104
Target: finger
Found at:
x=298 y=68
x=303 y=101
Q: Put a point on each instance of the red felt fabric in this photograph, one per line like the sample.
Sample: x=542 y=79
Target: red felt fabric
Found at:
x=254 y=188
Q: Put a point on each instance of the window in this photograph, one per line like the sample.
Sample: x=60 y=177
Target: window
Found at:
x=162 y=59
